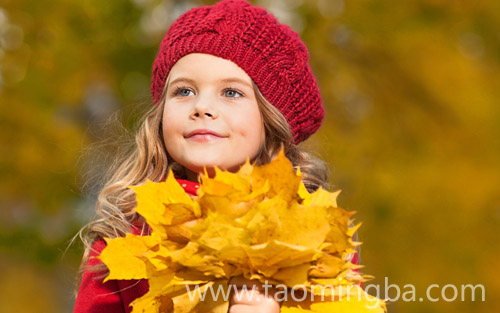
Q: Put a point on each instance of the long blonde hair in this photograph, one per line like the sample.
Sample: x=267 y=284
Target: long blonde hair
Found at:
x=148 y=159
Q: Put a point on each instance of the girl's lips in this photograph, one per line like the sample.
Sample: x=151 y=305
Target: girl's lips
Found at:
x=204 y=135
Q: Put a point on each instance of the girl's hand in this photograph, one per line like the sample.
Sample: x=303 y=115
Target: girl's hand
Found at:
x=251 y=297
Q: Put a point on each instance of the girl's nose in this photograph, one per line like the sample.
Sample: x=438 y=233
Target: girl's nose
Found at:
x=204 y=108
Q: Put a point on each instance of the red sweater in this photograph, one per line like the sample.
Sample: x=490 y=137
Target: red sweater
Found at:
x=115 y=296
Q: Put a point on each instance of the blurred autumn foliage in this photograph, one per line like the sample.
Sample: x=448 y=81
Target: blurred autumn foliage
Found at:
x=412 y=132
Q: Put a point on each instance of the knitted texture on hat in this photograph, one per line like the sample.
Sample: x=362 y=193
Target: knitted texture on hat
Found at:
x=270 y=53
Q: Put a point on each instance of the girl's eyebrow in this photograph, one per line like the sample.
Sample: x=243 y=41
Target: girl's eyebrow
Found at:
x=182 y=79
x=236 y=80
x=224 y=80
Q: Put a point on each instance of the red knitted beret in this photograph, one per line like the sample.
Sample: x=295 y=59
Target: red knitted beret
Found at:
x=270 y=53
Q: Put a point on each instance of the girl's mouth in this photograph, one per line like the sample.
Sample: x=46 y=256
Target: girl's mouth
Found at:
x=204 y=135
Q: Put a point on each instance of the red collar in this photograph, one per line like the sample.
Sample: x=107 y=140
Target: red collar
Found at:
x=190 y=187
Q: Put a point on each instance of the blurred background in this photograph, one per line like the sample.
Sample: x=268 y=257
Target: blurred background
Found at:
x=412 y=133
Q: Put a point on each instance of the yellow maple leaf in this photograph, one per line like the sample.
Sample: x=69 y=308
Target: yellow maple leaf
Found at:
x=131 y=248
x=164 y=203
x=192 y=303
x=260 y=223
x=349 y=299
x=281 y=177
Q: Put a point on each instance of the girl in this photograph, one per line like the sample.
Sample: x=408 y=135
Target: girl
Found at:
x=229 y=83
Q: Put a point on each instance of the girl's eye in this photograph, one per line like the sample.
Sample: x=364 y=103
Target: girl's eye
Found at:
x=231 y=93
x=183 y=92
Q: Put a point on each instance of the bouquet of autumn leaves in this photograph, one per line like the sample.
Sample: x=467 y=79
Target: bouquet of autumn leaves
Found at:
x=260 y=223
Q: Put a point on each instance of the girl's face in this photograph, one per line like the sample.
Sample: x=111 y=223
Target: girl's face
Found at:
x=211 y=116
